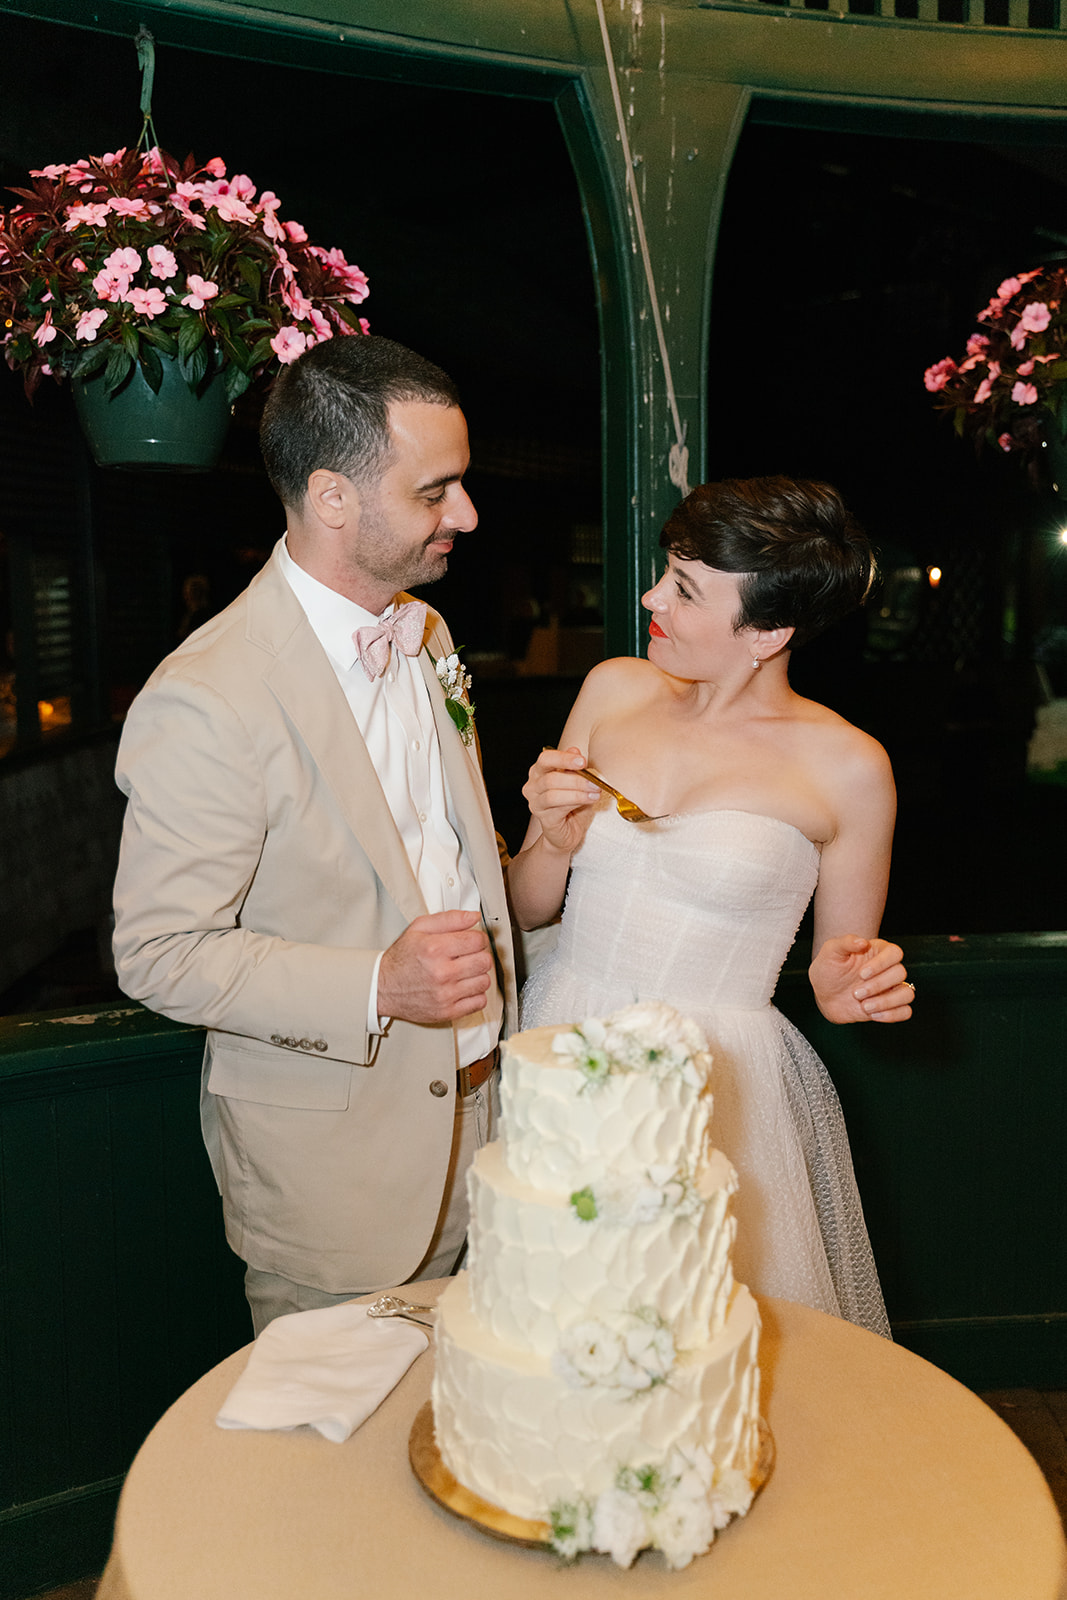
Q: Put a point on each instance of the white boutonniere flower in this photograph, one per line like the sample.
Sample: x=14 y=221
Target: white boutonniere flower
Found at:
x=455 y=680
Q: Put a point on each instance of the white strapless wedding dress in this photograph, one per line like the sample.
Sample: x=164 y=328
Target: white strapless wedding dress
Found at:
x=699 y=910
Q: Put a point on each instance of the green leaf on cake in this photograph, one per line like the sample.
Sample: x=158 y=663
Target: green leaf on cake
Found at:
x=584 y=1202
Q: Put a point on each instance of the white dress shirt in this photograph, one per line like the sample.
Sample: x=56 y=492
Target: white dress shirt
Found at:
x=394 y=716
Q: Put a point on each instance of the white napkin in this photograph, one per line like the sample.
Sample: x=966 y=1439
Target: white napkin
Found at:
x=329 y=1369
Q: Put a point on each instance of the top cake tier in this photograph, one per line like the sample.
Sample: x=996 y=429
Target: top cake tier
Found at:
x=568 y=1124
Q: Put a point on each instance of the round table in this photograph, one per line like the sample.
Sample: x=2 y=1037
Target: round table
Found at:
x=892 y=1482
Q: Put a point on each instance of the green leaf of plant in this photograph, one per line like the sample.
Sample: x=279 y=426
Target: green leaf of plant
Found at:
x=194 y=367
x=161 y=339
x=91 y=359
x=151 y=367
x=190 y=336
x=118 y=369
x=236 y=383
x=252 y=276
x=227 y=302
x=260 y=352
x=130 y=341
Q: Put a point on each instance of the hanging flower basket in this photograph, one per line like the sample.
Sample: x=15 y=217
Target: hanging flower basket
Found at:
x=120 y=269
x=174 y=427
x=1010 y=389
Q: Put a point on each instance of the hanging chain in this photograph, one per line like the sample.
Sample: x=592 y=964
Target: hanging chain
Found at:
x=146 y=57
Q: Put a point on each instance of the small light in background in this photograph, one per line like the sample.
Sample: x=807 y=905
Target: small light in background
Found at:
x=934 y=576
x=1063 y=535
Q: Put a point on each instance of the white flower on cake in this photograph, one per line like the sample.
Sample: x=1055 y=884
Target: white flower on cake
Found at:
x=675 y=1507
x=629 y=1204
x=636 y=1354
x=648 y=1038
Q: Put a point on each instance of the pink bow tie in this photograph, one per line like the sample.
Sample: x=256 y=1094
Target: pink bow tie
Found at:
x=404 y=628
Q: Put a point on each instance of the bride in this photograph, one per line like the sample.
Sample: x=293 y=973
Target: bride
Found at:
x=755 y=799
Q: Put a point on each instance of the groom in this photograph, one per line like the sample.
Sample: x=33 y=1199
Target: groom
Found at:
x=308 y=865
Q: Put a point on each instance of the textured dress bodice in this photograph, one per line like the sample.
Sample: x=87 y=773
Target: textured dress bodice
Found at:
x=699 y=910
x=704 y=905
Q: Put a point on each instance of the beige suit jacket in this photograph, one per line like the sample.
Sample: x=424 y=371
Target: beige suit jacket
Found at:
x=260 y=874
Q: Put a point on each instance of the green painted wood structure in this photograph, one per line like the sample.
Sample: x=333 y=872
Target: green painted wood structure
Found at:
x=118 y=1288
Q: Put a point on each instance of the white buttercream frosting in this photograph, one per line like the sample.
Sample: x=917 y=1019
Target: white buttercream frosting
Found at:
x=564 y=1133
x=596 y=1366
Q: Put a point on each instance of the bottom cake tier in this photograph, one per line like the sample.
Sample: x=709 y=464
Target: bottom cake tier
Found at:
x=513 y=1430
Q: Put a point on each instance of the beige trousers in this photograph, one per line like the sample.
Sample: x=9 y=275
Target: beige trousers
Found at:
x=269 y=1295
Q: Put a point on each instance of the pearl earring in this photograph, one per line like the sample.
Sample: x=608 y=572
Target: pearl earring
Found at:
x=756 y=663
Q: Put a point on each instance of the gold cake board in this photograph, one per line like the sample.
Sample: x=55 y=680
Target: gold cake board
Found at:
x=462 y=1502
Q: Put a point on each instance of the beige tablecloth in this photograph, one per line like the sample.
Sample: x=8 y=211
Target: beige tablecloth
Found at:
x=892 y=1482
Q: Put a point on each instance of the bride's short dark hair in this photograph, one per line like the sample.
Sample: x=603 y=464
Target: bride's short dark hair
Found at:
x=804 y=560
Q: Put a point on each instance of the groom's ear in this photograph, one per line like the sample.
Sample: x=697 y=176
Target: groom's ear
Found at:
x=332 y=497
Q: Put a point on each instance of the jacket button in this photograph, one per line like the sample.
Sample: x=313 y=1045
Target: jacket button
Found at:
x=276 y=1038
x=438 y=1088
x=320 y=1044
x=305 y=1044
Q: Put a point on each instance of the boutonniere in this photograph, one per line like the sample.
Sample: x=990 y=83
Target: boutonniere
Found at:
x=455 y=680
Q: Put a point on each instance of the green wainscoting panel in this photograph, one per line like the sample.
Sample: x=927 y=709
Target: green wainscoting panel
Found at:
x=958 y=1122
x=117 y=1289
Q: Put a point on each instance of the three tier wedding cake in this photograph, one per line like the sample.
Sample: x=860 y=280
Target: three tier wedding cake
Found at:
x=596 y=1364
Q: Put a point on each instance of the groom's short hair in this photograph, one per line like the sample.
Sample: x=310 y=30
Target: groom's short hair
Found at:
x=803 y=560
x=330 y=408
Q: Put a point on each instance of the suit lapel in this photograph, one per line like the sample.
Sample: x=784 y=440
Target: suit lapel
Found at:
x=305 y=686
x=465 y=784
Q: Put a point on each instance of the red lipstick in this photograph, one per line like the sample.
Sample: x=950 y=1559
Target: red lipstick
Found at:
x=655 y=630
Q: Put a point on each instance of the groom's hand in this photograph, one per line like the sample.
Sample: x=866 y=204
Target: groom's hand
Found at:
x=439 y=969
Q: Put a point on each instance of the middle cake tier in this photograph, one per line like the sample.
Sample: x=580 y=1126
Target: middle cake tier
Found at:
x=537 y=1266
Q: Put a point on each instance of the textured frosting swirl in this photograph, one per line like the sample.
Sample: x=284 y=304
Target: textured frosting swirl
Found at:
x=513 y=1431
x=536 y=1268
x=562 y=1133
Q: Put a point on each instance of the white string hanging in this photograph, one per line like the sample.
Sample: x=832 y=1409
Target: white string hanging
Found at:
x=678 y=459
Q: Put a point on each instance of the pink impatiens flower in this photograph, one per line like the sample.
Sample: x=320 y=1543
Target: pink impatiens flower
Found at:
x=288 y=343
x=295 y=232
x=1036 y=317
x=127 y=260
x=296 y=300
x=1005 y=441
x=977 y=343
x=162 y=261
x=148 y=302
x=983 y=391
x=125 y=206
x=937 y=376
x=231 y=208
x=200 y=291
x=46 y=332
x=217 y=167
x=92 y=216
x=1024 y=394
x=111 y=285
x=88 y=323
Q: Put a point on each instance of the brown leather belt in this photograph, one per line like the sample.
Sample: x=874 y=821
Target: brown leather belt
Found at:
x=472 y=1077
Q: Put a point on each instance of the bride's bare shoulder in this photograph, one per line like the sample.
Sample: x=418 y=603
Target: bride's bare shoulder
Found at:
x=623 y=679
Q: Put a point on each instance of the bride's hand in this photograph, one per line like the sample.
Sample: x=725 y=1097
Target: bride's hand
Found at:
x=560 y=799
x=861 y=980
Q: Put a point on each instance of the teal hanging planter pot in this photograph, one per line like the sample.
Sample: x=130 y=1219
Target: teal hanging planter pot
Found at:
x=176 y=430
